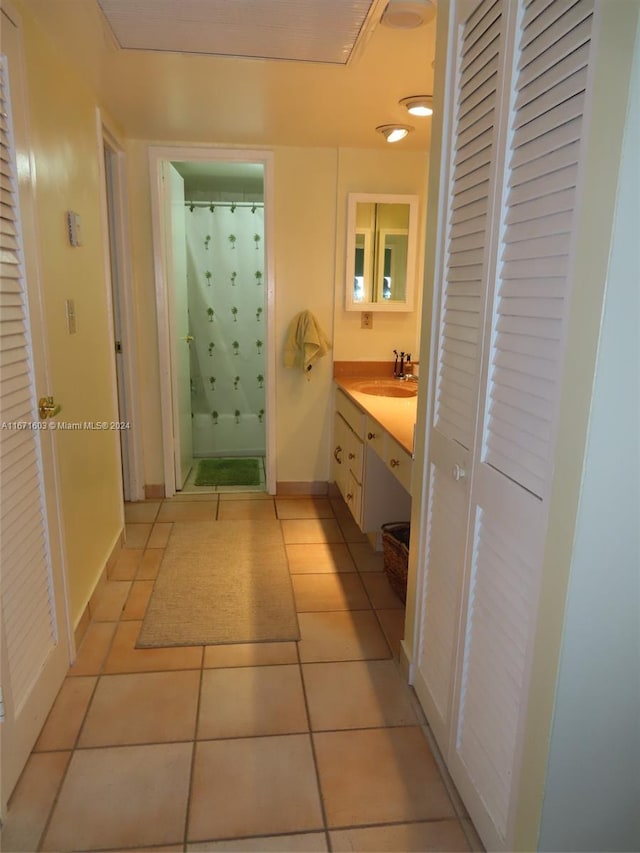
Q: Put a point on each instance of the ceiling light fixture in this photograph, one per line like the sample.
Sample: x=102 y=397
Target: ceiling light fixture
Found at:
x=407 y=14
x=418 y=105
x=394 y=132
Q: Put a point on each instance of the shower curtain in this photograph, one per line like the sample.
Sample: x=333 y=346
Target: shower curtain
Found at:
x=226 y=292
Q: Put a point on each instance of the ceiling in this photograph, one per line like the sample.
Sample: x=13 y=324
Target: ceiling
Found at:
x=302 y=30
x=191 y=97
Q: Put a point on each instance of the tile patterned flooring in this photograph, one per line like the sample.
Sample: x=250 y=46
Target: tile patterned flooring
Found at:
x=311 y=746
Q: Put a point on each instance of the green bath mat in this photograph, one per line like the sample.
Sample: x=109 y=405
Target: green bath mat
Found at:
x=228 y=472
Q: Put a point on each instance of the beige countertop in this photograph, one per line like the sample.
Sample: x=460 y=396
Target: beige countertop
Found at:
x=396 y=415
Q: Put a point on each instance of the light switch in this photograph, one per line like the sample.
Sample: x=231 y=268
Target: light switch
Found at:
x=70 y=311
x=73 y=227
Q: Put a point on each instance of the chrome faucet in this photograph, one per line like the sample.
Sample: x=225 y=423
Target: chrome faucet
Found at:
x=399 y=372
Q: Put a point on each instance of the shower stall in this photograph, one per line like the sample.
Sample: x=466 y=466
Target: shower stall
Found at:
x=227 y=323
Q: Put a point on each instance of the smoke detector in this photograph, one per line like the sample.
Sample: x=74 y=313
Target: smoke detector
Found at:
x=407 y=14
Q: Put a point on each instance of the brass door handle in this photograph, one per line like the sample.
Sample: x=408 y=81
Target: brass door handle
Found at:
x=188 y=338
x=47 y=408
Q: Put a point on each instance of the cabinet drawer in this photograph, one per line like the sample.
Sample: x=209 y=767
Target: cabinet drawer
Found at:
x=354 y=416
x=353 y=497
x=399 y=462
x=354 y=454
x=375 y=436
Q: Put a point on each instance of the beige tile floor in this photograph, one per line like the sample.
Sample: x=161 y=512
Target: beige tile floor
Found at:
x=311 y=746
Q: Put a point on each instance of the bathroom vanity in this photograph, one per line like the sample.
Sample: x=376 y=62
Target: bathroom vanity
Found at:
x=374 y=422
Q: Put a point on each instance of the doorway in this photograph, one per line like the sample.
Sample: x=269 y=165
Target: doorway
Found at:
x=119 y=298
x=215 y=305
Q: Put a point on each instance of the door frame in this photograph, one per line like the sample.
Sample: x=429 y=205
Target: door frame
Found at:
x=157 y=156
x=119 y=297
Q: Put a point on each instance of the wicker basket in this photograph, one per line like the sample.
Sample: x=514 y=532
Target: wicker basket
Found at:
x=395 y=548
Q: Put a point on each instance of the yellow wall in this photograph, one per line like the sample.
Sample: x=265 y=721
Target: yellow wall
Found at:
x=310 y=200
x=378 y=171
x=65 y=151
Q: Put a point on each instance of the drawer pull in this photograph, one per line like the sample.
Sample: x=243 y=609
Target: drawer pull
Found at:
x=394 y=463
x=371 y=436
x=336 y=455
x=349 y=496
x=352 y=456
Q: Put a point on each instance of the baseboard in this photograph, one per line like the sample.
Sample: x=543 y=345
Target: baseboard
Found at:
x=293 y=488
x=153 y=491
x=87 y=614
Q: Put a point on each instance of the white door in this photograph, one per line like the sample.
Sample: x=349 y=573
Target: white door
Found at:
x=34 y=629
x=470 y=175
x=521 y=75
x=180 y=336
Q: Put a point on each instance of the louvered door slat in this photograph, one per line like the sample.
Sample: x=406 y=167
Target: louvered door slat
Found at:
x=490 y=652
x=539 y=208
x=540 y=247
x=480 y=38
x=528 y=345
x=535 y=25
x=469 y=228
x=27 y=551
x=478 y=66
x=471 y=168
x=541 y=84
x=477 y=122
x=561 y=114
x=540 y=227
x=550 y=43
x=545 y=258
x=442 y=585
x=542 y=147
x=478 y=96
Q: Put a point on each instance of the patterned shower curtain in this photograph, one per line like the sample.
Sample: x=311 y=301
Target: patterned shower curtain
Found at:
x=226 y=290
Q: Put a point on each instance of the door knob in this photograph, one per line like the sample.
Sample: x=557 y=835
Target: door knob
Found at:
x=47 y=408
x=458 y=472
x=188 y=338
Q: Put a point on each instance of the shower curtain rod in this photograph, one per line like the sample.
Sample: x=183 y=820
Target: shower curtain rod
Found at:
x=224 y=203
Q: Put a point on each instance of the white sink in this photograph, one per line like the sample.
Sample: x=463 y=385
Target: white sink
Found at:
x=386 y=387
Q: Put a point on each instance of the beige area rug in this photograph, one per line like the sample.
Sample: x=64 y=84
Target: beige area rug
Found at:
x=221 y=582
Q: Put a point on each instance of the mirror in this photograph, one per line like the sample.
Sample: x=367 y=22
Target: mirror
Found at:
x=381 y=249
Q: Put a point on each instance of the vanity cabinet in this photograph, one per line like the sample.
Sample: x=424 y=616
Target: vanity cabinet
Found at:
x=393 y=454
x=348 y=463
x=371 y=469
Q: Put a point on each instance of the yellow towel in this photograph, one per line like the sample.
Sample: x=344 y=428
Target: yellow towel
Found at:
x=305 y=342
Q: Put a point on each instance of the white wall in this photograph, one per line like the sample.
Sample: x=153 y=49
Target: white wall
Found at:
x=592 y=795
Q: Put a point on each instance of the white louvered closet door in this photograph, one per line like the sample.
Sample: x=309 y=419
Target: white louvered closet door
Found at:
x=34 y=645
x=518 y=359
x=479 y=33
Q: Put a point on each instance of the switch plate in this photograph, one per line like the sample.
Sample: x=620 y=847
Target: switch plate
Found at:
x=70 y=311
x=73 y=228
x=366 y=320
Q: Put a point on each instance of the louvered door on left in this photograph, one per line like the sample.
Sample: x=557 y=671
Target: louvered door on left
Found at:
x=34 y=636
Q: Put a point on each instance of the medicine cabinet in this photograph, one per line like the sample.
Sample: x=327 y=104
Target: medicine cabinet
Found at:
x=381 y=252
